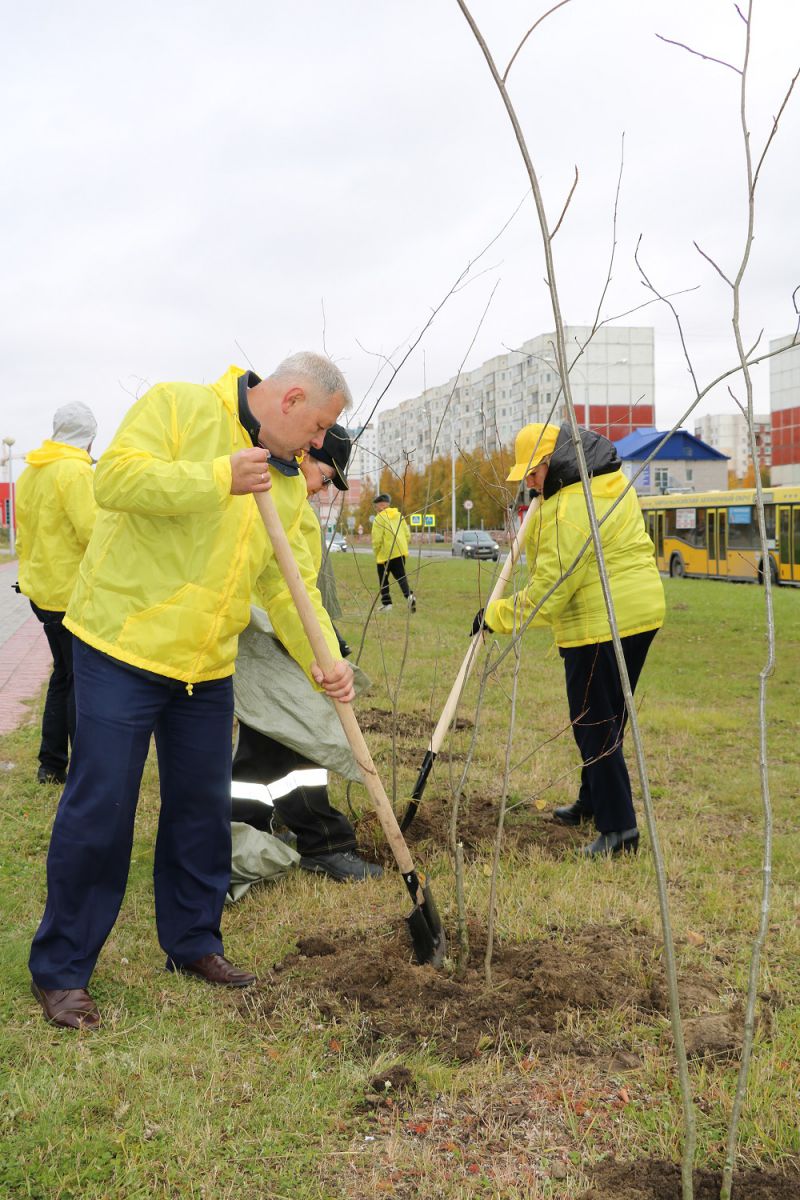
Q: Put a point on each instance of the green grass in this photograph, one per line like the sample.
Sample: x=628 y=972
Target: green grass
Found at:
x=179 y=1096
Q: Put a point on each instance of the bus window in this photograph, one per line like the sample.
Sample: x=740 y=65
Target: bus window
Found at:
x=712 y=539
x=784 y=546
x=722 y=542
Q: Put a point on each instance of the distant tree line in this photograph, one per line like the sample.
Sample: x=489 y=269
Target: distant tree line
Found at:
x=480 y=477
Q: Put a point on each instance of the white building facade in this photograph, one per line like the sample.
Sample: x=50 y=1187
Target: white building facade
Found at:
x=728 y=432
x=784 y=397
x=613 y=389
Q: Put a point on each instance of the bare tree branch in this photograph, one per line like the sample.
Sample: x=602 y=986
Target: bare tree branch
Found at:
x=708 y=57
x=711 y=262
x=566 y=204
x=528 y=34
x=774 y=129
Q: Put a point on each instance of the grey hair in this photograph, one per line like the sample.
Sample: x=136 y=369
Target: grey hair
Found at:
x=306 y=364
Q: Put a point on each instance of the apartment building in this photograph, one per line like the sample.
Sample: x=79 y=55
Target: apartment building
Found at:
x=728 y=433
x=612 y=389
x=784 y=396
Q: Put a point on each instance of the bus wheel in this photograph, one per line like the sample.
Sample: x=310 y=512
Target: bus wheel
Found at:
x=676 y=568
x=773 y=573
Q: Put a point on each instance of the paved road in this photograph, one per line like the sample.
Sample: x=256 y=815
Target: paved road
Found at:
x=25 y=660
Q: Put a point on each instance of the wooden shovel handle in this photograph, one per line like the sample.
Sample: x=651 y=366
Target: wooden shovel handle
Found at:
x=448 y=712
x=326 y=661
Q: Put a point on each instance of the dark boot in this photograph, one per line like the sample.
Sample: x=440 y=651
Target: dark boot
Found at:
x=572 y=814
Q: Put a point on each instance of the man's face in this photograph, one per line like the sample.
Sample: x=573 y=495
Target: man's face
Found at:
x=295 y=419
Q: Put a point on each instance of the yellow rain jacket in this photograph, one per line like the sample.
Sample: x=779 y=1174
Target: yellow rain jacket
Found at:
x=55 y=517
x=576 y=610
x=175 y=560
x=389 y=535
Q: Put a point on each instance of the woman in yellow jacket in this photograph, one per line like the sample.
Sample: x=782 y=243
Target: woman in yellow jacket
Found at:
x=390 y=546
x=565 y=593
x=163 y=591
x=55 y=517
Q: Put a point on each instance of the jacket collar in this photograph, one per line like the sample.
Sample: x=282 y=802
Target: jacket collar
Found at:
x=247 y=380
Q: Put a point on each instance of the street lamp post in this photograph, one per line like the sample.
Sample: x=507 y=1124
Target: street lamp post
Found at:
x=8 y=442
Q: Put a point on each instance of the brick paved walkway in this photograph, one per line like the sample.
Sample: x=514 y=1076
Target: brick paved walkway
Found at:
x=25 y=661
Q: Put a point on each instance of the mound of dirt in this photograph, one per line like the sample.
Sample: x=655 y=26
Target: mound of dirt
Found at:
x=655 y=1180
x=534 y=986
x=477 y=825
x=407 y=725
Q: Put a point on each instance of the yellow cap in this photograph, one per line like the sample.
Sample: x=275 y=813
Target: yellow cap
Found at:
x=532 y=444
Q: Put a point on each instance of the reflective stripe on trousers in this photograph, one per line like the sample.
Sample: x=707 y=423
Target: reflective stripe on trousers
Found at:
x=268 y=793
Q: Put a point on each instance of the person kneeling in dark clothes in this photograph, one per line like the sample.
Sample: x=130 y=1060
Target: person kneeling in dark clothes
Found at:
x=288 y=734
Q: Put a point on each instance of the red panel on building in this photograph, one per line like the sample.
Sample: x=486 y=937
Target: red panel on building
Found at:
x=616 y=421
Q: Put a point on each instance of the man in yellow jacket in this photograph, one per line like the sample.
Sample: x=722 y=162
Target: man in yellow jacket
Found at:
x=390 y=546
x=55 y=518
x=565 y=593
x=163 y=592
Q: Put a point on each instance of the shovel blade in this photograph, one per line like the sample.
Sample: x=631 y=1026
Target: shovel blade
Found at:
x=427 y=935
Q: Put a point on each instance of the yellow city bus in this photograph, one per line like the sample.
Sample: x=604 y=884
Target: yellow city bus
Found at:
x=714 y=535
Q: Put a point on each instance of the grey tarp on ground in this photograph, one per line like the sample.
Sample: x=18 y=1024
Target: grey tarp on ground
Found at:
x=256 y=856
x=273 y=695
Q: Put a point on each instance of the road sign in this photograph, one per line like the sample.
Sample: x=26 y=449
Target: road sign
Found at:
x=468 y=505
x=415 y=520
x=430 y=520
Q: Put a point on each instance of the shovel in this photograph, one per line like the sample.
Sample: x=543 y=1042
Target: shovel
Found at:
x=424 y=922
x=448 y=712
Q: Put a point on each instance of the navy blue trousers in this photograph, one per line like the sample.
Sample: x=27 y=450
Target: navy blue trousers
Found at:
x=90 y=849
x=58 y=719
x=598 y=715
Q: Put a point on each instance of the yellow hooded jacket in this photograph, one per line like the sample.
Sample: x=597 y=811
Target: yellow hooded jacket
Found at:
x=175 y=559
x=389 y=535
x=576 y=609
x=55 y=516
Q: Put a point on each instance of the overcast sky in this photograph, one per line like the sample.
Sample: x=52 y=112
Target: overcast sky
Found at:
x=186 y=184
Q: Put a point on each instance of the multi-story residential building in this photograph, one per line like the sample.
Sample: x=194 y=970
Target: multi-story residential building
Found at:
x=612 y=389
x=784 y=395
x=728 y=433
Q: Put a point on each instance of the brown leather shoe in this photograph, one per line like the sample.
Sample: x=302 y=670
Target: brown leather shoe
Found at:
x=70 y=1008
x=213 y=968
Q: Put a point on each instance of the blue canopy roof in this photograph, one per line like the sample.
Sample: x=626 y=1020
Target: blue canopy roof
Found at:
x=640 y=444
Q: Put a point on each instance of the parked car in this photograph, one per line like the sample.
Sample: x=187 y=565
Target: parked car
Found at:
x=475 y=543
x=336 y=542
x=438 y=537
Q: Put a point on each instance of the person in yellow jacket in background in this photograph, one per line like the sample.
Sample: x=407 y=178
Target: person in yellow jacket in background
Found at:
x=55 y=518
x=572 y=604
x=163 y=591
x=390 y=546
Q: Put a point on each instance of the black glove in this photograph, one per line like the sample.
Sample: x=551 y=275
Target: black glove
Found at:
x=344 y=649
x=479 y=625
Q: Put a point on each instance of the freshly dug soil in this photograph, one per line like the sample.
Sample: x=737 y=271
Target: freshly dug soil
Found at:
x=407 y=725
x=477 y=825
x=535 y=985
x=654 y=1180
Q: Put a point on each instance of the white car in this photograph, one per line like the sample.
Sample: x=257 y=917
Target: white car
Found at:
x=335 y=542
